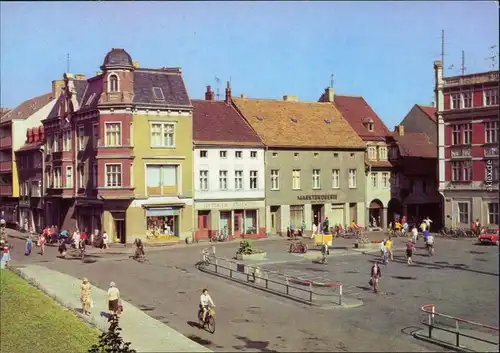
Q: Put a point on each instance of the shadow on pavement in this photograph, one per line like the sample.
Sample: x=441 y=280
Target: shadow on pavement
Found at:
x=410 y=330
x=199 y=340
x=404 y=277
x=194 y=324
x=260 y=346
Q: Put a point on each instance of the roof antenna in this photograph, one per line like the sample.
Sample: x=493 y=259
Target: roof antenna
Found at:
x=331 y=81
x=442 y=47
x=463 y=68
x=493 y=57
x=67 y=62
x=217 y=80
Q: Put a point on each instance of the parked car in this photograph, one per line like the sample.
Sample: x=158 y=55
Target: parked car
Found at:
x=489 y=236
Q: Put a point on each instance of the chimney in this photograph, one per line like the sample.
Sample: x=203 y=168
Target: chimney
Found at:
x=41 y=132
x=400 y=130
x=29 y=136
x=289 y=98
x=228 y=93
x=98 y=73
x=244 y=96
x=209 y=94
x=329 y=95
x=80 y=77
x=57 y=86
x=36 y=135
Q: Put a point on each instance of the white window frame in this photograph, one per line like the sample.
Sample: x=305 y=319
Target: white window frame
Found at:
x=81 y=176
x=163 y=132
x=68 y=181
x=275 y=179
x=456 y=134
x=296 y=179
x=467 y=134
x=67 y=140
x=162 y=181
x=385 y=180
x=108 y=183
x=456 y=171
x=316 y=179
x=353 y=178
x=467 y=170
x=467 y=100
x=238 y=154
x=56 y=141
x=81 y=137
x=110 y=88
x=238 y=179
x=491 y=131
x=493 y=213
x=253 y=154
x=223 y=154
x=374 y=180
x=95 y=135
x=203 y=180
x=203 y=154
x=57 y=178
x=223 y=182
x=463 y=213
x=107 y=126
x=490 y=97
x=335 y=178
x=49 y=144
x=455 y=101
x=372 y=153
x=254 y=180
x=382 y=153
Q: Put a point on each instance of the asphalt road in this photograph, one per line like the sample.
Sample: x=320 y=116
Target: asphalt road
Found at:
x=461 y=279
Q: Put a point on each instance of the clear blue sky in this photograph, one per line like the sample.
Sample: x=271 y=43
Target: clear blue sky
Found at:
x=382 y=51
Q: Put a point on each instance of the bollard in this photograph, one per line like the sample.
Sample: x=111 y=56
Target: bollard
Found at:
x=230 y=269
x=216 y=264
x=310 y=292
x=213 y=250
x=458 y=334
x=340 y=296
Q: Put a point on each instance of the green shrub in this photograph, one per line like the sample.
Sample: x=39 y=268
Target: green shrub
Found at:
x=111 y=341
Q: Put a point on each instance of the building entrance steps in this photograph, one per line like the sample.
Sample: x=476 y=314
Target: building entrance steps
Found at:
x=145 y=333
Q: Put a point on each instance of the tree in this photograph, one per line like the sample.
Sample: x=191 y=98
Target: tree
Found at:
x=111 y=342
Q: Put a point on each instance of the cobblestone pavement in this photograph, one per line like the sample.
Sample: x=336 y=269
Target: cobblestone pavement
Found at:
x=461 y=279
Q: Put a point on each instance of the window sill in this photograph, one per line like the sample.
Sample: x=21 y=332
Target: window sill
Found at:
x=275 y=189
x=165 y=147
x=296 y=189
x=353 y=187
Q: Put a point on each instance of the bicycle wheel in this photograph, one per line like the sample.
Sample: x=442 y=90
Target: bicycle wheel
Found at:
x=200 y=318
x=301 y=249
x=211 y=324
x=292 y=248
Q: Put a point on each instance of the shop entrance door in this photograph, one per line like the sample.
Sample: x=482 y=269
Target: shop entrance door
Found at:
x=317 y=216
x=203 y=223
x=120 y=230
x=238 y=223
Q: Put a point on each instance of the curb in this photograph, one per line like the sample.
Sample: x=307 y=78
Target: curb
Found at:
x=441 y=343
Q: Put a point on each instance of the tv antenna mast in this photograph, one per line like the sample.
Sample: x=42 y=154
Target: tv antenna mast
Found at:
x=462 y=67
x=493 y=57
x=332 y=81
x=67 y=62
x=217 y=80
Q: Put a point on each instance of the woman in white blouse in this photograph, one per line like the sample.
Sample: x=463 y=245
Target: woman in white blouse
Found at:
x=113 y=298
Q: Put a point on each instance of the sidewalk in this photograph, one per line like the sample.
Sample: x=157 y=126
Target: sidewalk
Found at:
x=145 y=333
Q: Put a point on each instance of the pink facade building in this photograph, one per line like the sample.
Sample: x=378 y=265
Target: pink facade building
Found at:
x=468 y=136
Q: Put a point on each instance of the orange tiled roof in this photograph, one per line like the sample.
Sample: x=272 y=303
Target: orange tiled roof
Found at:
x=298 y=124
x=429 y=111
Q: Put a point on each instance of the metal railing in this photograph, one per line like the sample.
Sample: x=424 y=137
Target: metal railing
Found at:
x=293 y=287
x=430 y=310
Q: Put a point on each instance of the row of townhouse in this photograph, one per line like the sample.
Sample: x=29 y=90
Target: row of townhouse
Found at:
x=128 y=151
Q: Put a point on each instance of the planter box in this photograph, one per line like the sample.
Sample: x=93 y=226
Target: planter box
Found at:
x=254 y=257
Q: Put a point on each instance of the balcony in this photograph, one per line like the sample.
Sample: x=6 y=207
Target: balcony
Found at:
x=5 y=190
x=6 y=142
x=6 y=166
x=491 y=152
x=461 y=152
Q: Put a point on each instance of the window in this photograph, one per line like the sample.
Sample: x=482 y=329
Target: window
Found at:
x=158 y=94
x=162 y=135
x=372 y=153
x=69 y=177
x=94 y=175
x=238 y=179
x=253 y=154
x=238 y=154
x=113 y=175
x=295 y=155
x=393 y=152
x=491 y=129
x=382 y=151
x=223 y=179
x=81 y=138
x=95 y=135
x=113 y=134
x=36 y=188
x=296 y=179
x=204 y=180
x=316 y=155
x=467 y=170
x=296 y=216
x=493 y=213
x=275 y=154
x=374 y=178
x=223 y=154
x=463 y=212
x=49 y=144
x=385 y=180
x=336 y=179
x=455 y=134
x=253 y=179
x=455 y=101
x=335 y=155
x=467 y=131
x=275 y=179
x=467 y=99
x=67 y=141
x=455 y=171
x=395 y=179
x=159 y=177
x=316 y=179
x=57 y=178
x=55 y=147
x=353 y=179
x=370 y=127
x=113 y=83
x=81 y=177
x=491 y=98
x=203 y=154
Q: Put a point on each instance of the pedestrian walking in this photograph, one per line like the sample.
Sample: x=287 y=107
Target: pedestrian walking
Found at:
x=76 y=238
x=42 y=241
x=29 y=246
x=375 y=276
x=113 y=299
x=388 y=245
x=105 y=240
x=414 y=233
x=86 y=297
x=381 y=247
x=410 y=248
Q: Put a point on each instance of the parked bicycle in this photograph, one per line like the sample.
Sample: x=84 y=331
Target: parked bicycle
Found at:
x=219 y=237
x=298 y=247
x=457 y=233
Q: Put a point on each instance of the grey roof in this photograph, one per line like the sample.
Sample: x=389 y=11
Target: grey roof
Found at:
x=94 y=87
x=117 y=58
x=80 y=86
x=171 y=83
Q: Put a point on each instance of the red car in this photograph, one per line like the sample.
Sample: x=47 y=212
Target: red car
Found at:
x=490 y=236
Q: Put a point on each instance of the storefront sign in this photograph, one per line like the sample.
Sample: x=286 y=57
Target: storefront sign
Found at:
x=164 y=211
x=317 y=197
x=229 y=205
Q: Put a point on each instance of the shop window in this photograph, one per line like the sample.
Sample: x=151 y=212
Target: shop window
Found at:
x=493 y=213
x=250 y=222
x=163 y=225
x=463 y=212
x=225 y=222
x=296 y=215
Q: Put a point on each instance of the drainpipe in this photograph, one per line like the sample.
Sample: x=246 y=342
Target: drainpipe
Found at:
x=42 y=188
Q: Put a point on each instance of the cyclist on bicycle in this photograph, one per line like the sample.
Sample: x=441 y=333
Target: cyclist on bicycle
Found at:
x=205 y=302
x=139 y=248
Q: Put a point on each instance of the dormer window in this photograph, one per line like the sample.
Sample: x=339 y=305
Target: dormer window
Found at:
x=158 y=93
x=91 y=99
x=113 y=83
x=370 y=127
x=368 y=123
